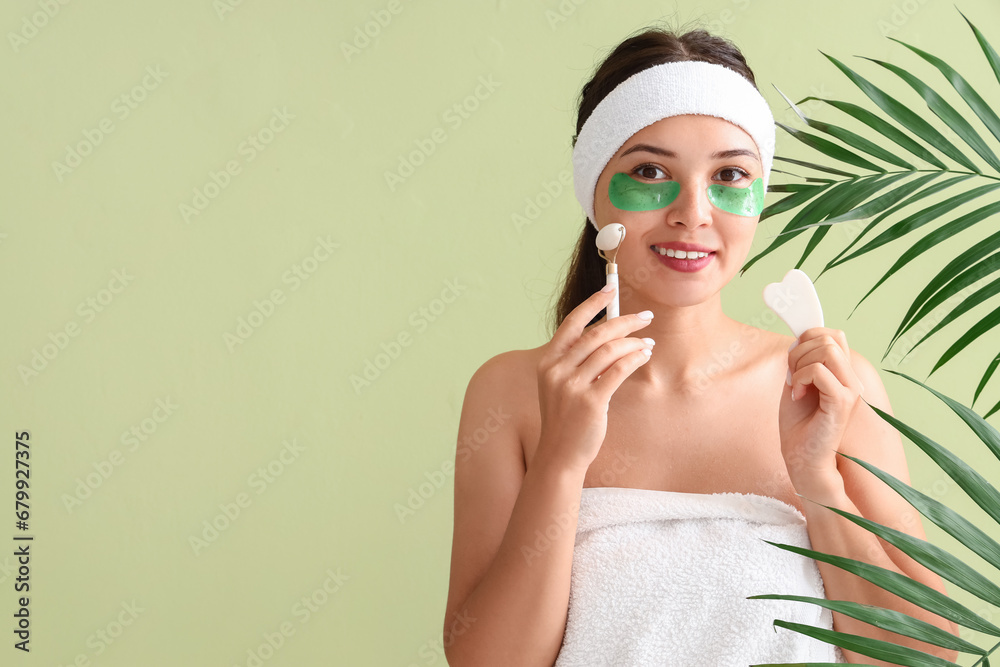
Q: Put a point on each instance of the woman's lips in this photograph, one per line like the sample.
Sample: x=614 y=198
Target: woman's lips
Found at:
x=685 y=265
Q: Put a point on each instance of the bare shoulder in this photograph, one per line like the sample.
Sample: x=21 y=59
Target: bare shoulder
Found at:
x=508 y=383
x=767 y=347
x=509 y=371
x=782 y=341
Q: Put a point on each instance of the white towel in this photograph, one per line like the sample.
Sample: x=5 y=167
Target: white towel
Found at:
x=661 y=578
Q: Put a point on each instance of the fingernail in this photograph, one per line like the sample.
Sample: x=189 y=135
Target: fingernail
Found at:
x=607 y=288
x=645 y=315
x=788 y=377
x=794 y=343
x=649 y=341
x=793 y=393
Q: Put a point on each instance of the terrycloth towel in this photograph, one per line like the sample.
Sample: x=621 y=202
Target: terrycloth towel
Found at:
x=661 y=578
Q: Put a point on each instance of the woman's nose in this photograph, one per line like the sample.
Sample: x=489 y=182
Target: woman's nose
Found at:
x=691 y=207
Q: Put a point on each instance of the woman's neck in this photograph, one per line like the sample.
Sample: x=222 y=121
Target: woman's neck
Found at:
x=695 y=346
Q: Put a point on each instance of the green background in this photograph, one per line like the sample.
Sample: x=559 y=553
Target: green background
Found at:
x=446 y=230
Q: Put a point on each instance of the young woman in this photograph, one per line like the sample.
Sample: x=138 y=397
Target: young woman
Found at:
x=614 y=487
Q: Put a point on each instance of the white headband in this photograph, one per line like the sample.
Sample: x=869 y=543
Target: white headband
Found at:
x=661 y=91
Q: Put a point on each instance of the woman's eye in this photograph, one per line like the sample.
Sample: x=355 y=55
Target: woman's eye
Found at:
x=648 y=171
x=739 y=173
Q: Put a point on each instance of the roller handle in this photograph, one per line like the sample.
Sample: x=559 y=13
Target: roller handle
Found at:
x=612 y=308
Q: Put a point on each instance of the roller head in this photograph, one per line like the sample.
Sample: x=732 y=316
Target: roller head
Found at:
x=610 y=236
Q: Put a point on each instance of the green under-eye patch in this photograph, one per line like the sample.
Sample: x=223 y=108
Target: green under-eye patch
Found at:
x=748 y=201
x=628 y=194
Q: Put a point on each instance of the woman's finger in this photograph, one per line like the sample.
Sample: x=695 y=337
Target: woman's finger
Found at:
x=834 y=360
x=573 y=325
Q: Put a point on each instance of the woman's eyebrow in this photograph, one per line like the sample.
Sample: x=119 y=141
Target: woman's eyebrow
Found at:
x=733 y=152
x=649 y=148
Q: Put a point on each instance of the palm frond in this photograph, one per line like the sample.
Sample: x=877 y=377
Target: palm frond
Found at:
x=906 y=117
x=884 y=177
x=963 y=271
x=887 y=619
x=938 y=560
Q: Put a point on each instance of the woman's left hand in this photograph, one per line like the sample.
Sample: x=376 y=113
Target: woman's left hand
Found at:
x=826 y=391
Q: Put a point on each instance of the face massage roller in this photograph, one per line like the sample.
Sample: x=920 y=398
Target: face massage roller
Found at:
x=608 y=239
x=629 y=194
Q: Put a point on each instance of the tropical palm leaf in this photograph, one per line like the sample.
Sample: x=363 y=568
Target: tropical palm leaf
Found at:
x=886 y=179
x=946 y=565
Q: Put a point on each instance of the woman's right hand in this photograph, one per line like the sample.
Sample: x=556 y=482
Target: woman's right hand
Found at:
x=578 y=372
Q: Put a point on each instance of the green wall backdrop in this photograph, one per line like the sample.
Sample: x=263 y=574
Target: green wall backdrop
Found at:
x=240 y=347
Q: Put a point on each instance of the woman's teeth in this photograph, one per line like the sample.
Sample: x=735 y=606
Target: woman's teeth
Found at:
x=680 y=254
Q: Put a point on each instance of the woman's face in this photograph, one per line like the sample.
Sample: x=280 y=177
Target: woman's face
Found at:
x=695 y=151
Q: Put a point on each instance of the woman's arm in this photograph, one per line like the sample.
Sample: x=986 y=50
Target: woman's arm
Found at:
x=514 y=534
x=855 y=490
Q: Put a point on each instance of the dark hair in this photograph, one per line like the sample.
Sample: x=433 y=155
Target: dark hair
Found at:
x=653 y=46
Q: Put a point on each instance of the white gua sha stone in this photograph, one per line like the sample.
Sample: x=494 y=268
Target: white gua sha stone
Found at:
x=795 y=301
x=608 y=239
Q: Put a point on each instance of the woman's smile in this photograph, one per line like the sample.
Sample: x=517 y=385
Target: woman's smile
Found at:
x=680 y=260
